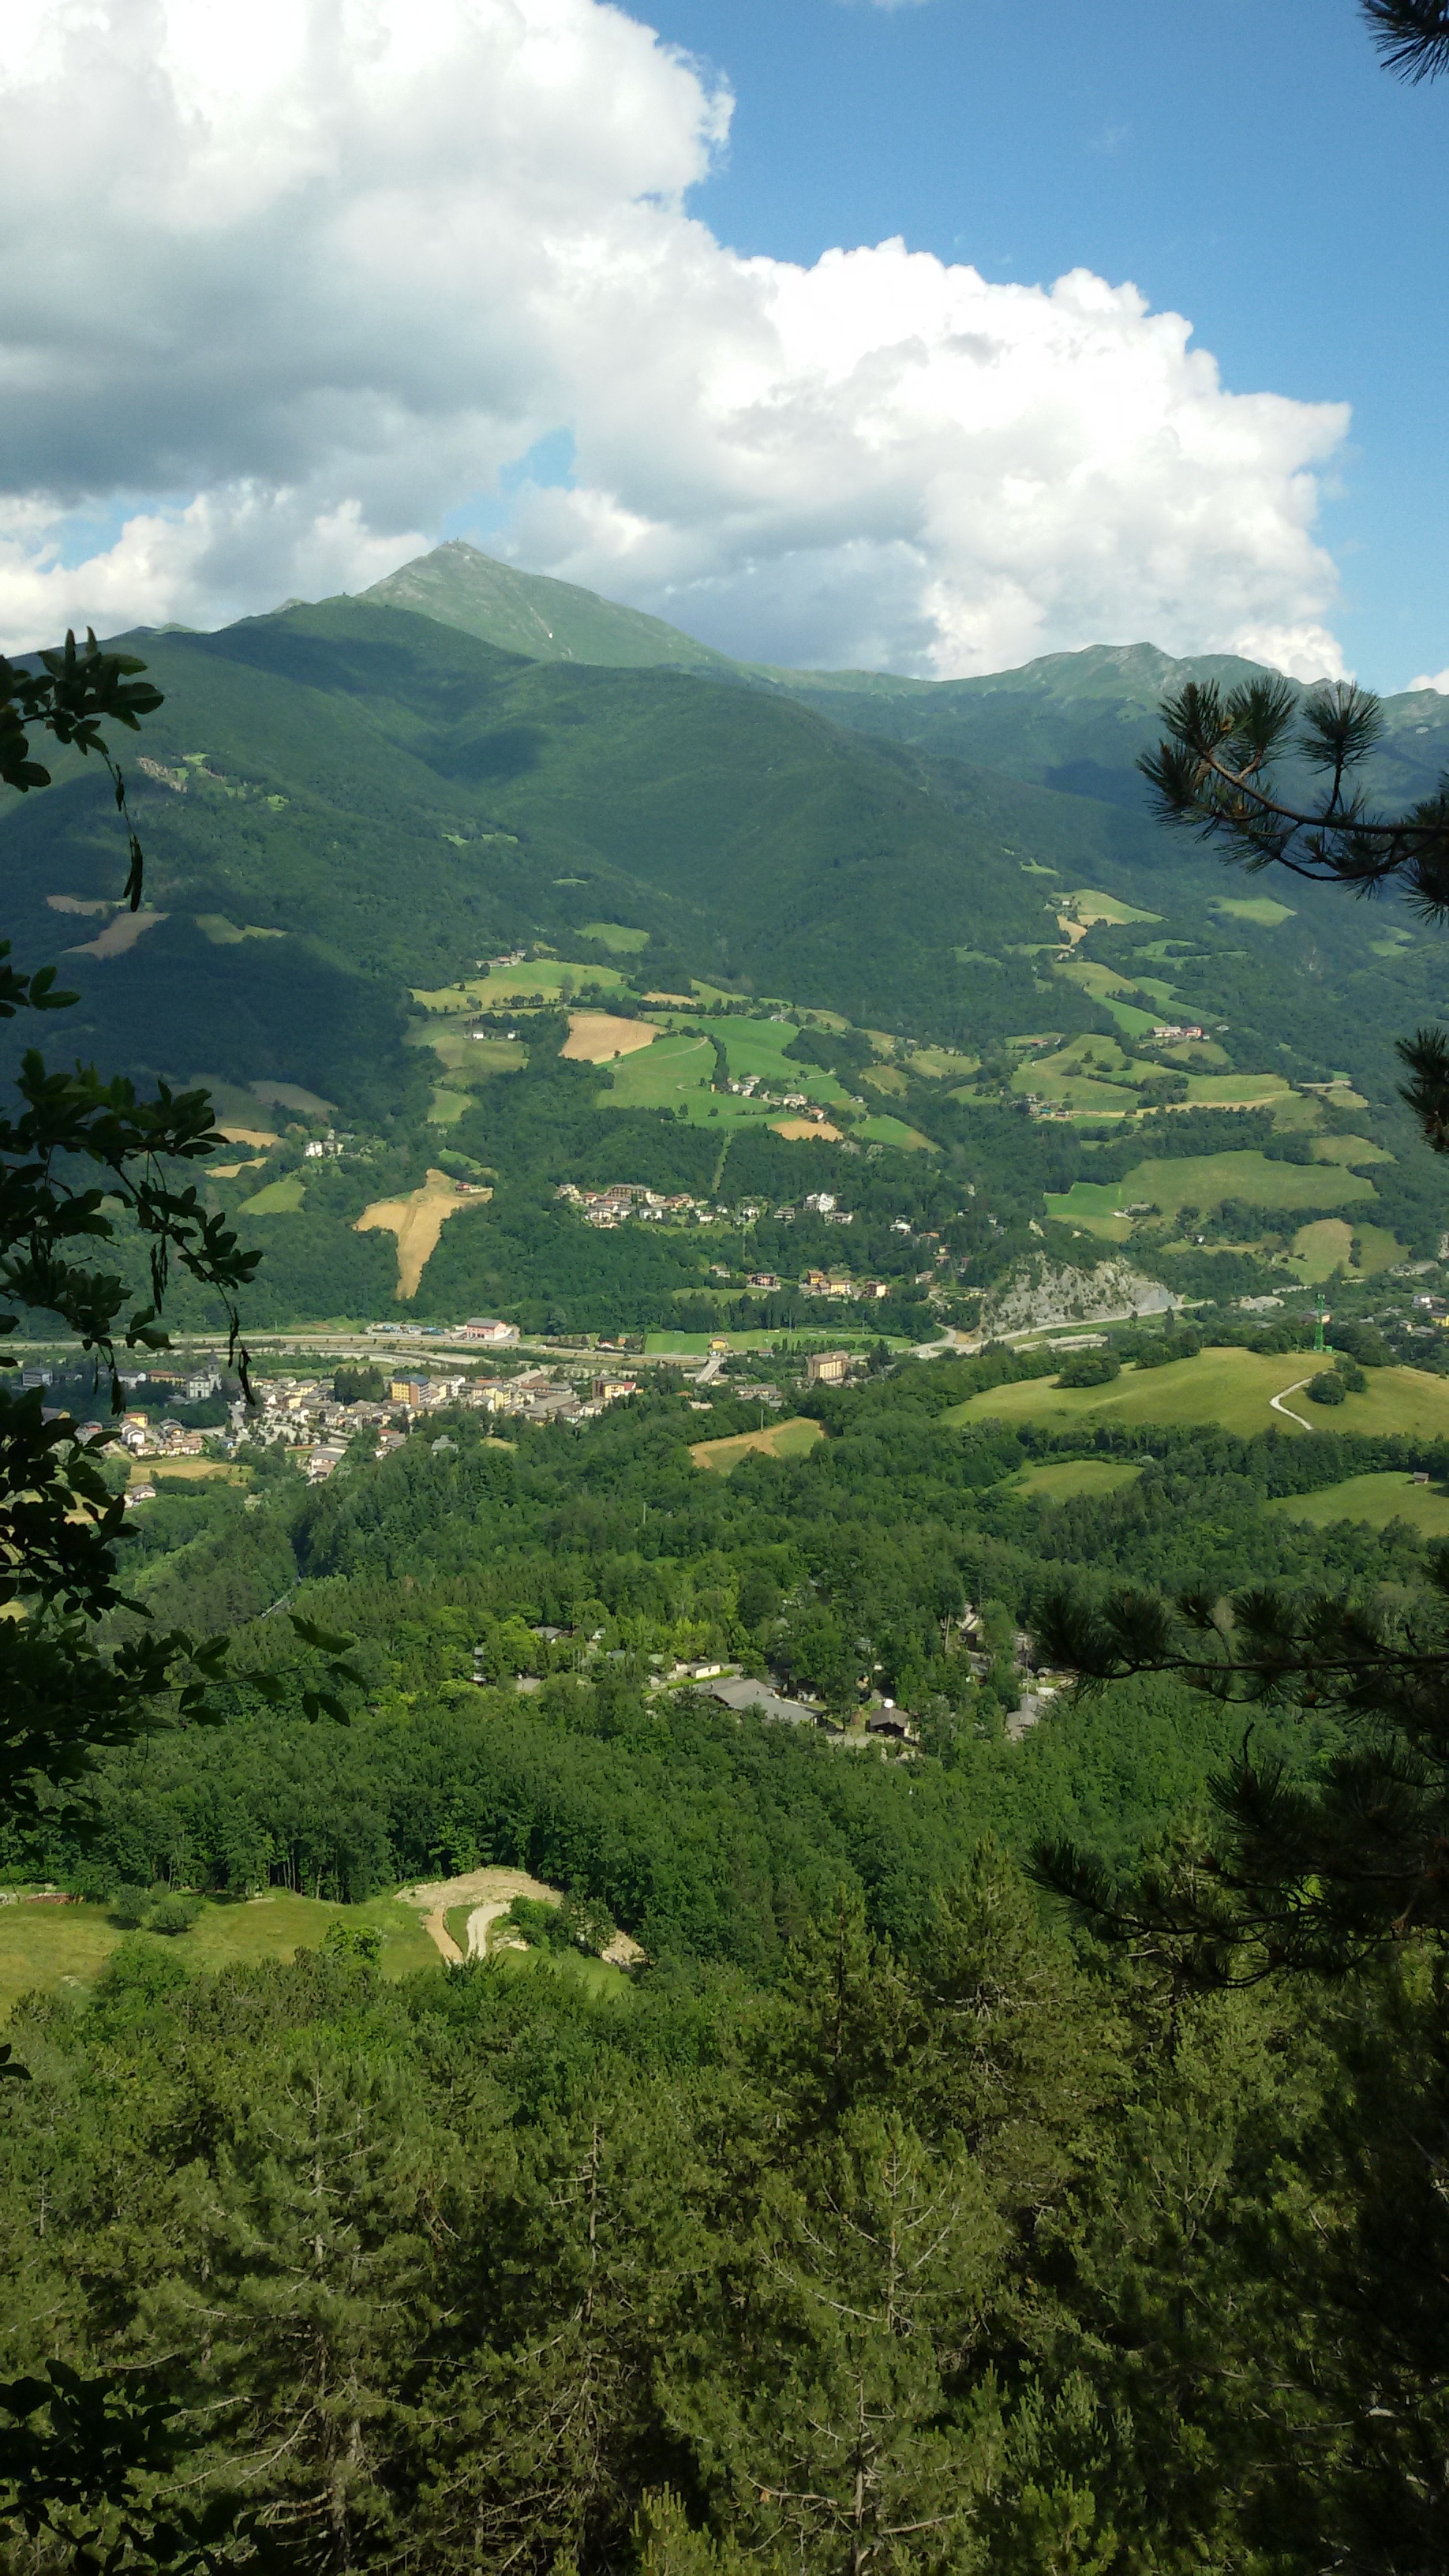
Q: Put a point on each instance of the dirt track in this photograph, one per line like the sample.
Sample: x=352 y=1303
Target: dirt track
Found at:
x=489 y=1893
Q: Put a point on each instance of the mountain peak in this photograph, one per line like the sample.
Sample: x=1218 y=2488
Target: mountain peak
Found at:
x=529 y=612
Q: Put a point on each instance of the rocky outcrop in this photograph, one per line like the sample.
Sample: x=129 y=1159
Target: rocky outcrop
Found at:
x=1037 y=1292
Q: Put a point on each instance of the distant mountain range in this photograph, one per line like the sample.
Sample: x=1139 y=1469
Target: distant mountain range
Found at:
x=347 y=802
x=1074 y=722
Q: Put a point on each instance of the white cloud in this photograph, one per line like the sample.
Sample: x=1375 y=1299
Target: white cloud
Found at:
x=1432 y=680
x=327 y=278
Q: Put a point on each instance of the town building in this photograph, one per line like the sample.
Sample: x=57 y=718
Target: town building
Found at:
x=827 y=1368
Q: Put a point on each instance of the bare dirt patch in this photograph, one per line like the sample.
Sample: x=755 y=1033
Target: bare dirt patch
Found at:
x=596 y=1037
x=121 y=932
x=418 y=1221
x=488 y=1894
x=798 y=1129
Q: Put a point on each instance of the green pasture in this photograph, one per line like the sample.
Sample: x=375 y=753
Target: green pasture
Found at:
x=1101 y=985
x=44 y=1946
x=1361 y=1251
x=503 y=985
x=1172 y=1183
x=1350 y=1150
x=758 y=1047
x=1259 y=908
x=1091 y=905
x=1229 y=1387
x=1236 y=1090
x=942 y=1063
x=1320 y=1249
x=615 y=935
x=1063 y=1480
x=882 y=1129
x=661 y=1076
x=774 y=1440
x=1375 y=1499
x=276 y=1198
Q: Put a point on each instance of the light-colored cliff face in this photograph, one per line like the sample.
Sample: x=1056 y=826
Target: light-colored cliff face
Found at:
x=1038 y=1292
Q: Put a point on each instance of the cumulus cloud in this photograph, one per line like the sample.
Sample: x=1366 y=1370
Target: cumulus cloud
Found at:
x=1437 y=680
x=329 y=276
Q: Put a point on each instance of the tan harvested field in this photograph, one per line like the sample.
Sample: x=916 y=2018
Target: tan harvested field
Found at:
x=244 y=1136
x=121 y=932
x=596 y=1037
x=418 y=1221
x=799 y=1128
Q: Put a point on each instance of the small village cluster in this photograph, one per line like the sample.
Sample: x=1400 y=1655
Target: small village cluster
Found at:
x=306 y=1415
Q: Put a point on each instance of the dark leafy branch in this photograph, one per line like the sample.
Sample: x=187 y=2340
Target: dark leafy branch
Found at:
x=1214 y=773
x=74 y=692
x=81 y=1157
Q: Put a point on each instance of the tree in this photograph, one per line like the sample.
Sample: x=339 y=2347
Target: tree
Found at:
x=74 y=1149
x=1411 y=35
x=1316 y=1872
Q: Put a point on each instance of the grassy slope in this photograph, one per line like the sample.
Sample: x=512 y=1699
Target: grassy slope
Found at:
x=777 y=1440
x=395 y=798
x=1377 y=1499
x=1205 y=1180
x=1063 y=1480
x=43 y=1945
x=1229 y=1387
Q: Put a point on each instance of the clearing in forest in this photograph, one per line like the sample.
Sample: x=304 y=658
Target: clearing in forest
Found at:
x=1376 y=1499
x=1062 y=1480
x=477 y=1901
x=46 y=1946
x=797 y=1130
x=779 y=1440
x=418 y=1221
x=596 y=1037
x=121 y=932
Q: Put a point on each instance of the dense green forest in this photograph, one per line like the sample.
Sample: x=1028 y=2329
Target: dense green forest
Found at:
x=880 y=2217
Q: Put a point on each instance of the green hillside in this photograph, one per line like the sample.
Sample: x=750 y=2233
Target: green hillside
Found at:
x=349 y=810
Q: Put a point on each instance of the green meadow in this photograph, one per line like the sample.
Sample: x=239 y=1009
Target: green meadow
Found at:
x=50 y=1945
x=1376 y=1499
x=666 y=1075
x=1205 y=1180
x=1233 y=1388
x=1063 y=1480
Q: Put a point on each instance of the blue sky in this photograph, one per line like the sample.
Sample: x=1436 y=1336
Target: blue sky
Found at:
x=1245 y=162
x=603 y=287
